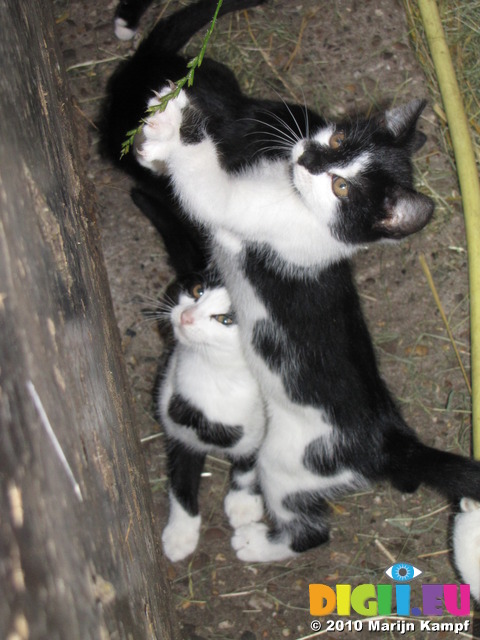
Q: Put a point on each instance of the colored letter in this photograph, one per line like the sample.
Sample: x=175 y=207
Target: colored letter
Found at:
x=451 y=599
x=384 y=597
x=432 y=599
x=360 y=596
x=343 y=599
x=402 y=595
x=322 y=599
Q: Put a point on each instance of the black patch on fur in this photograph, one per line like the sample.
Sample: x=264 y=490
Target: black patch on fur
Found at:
x=241 y=466
x=217 y=434
x=310 y=527
x=192 y=129
x=184 y=472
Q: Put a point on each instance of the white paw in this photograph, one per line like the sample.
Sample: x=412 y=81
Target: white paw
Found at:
x=161 y=130
x=122 y=31
x=180 y=536
x=243 y=507
x=251 y=544
x=468 y=504
x=178 y=543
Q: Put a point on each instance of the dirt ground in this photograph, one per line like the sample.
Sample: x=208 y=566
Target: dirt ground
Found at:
x=340 y=57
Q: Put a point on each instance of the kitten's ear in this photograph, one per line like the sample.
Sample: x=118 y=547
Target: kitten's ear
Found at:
x=406 y=211
x=402 y=122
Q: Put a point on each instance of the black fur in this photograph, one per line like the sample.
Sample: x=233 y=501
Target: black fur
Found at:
x=131 y=11
x=184 y=473
x=186 y=244
x=217 y=434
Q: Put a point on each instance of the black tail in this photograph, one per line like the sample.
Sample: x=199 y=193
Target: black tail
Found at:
x=172 y=33
x=413 y=463
x=185 y=243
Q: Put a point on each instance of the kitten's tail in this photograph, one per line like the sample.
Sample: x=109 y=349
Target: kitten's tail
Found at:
x=173 y=32
x=413 y=463
x=186 y=244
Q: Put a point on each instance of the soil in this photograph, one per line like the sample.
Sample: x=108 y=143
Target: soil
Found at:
x=339 y=57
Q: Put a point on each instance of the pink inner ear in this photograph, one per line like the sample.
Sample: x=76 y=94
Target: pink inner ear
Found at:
x=409 y=213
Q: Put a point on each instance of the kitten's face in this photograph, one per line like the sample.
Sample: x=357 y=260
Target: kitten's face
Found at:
x=202 y=316
x=358 y=177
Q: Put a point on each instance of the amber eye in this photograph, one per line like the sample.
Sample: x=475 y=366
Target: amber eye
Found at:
x=336 y=140
x=340 y=187
x=197 y=291
x=224 y=318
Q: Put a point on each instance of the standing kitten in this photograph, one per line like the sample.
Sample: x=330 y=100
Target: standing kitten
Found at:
x=283 y=232
x=208 y=401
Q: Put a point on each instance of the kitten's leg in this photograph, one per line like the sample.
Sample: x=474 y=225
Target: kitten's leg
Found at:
x=243 y=503
x=180 y=536
x=177 y=137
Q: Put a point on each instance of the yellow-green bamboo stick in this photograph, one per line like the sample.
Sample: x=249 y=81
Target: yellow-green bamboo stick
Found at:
x=469 y=186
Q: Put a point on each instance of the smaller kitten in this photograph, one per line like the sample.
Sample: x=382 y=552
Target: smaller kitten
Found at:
x=466 y=544
x=208 y=401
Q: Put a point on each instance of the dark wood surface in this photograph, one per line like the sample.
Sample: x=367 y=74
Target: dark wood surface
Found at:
x=79 y=555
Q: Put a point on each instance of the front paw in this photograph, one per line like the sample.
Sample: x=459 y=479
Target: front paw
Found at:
x=180 y=537
x=243 y=507
x=161 y=131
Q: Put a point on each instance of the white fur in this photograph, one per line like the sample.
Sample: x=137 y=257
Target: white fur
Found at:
x=180 y=536
x=208 y=368
x=243 y=507
x=122 y=31
x=251 y=544
x=260 y=204
x=466 y=544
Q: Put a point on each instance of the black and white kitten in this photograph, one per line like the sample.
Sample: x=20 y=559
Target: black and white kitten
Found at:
x=283 y=231
x=208 y=402
x=207 y=399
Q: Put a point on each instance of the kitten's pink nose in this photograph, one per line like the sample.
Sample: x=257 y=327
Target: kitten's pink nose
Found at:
x=186 y=316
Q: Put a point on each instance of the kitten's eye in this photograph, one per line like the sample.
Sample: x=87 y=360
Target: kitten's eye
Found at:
x=336 y=140
x=340 y=187
x=224 y=318
x=197 y=291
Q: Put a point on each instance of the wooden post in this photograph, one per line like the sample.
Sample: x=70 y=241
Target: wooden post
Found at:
x=78 y=554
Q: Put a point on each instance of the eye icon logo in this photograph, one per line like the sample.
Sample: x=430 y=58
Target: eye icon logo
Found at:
x=402 y=572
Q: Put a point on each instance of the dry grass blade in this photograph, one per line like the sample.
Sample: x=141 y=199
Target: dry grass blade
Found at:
x=434 y=291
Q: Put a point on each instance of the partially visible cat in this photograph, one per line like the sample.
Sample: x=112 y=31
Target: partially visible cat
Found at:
x=208 y=401
x=466 y=544
x=127 y=17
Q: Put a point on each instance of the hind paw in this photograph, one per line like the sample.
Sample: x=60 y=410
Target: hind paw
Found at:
x=243 y=508
x=252 y=544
